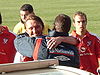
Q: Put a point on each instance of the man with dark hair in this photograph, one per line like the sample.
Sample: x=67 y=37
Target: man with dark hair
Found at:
x=7 y=49
x=67 y=54
x=62 y=23
x=27 y=7
x=25 y=10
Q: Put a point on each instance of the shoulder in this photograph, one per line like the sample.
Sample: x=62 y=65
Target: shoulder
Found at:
x=24 y=38
x=7 y=32
x=11 y=34
x=19 y=25
x=94 y=36
x=22 y=35
x=24 y=44
x=5 y=28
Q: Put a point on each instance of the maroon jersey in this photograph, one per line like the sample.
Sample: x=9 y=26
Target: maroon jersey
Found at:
x=7 y=49
x=89 y=50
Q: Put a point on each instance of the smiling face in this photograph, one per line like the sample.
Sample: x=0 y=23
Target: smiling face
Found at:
x=34 y=28
x=80 y=23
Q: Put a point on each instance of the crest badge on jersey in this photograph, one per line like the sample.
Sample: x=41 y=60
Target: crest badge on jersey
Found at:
x=5 y=40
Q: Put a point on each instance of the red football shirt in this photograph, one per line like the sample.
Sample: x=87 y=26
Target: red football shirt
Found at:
x=89 y=50
x=7 y=49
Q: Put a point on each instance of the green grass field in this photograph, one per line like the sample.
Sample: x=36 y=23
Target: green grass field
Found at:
x=49 y=9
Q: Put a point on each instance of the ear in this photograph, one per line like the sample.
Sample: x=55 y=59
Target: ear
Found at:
x=74 y=24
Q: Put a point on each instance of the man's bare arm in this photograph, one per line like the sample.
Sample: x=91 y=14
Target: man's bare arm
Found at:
x=55 y=41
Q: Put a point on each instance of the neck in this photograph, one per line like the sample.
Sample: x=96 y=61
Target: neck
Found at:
x=81 y=34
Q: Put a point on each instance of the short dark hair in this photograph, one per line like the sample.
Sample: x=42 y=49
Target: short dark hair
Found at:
x=27 y=7
x=64 y=21
x=36 y=18
x=0 y=19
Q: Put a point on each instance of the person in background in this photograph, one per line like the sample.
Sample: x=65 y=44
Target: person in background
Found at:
x=7 y=49
x=89 y=45
x=67 y=54
x=25 y=10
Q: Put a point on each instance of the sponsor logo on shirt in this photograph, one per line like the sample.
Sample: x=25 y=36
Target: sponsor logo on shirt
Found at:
x=83 y=54
x=69 y=52
x=62 y=58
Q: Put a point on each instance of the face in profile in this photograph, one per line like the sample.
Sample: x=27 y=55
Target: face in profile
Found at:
x=34 y=28
x=80 y=23
x=23 y=15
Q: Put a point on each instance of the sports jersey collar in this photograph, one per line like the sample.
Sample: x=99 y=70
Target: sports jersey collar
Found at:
x=76 y=35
